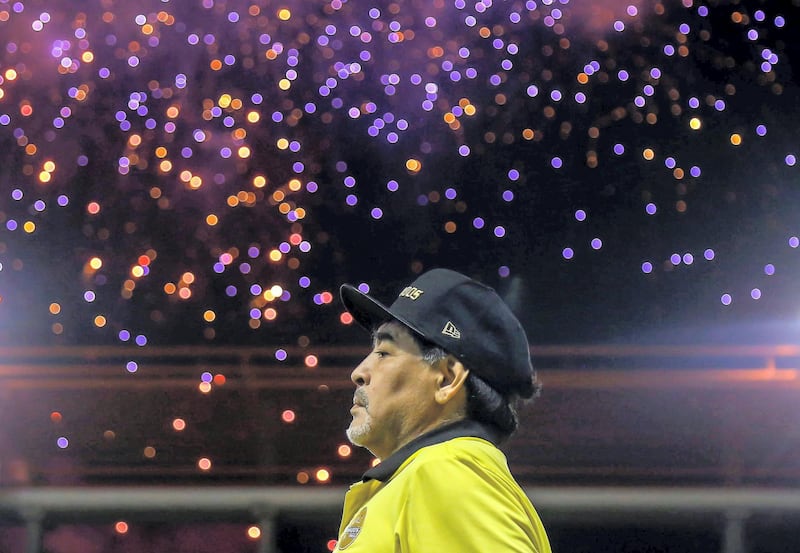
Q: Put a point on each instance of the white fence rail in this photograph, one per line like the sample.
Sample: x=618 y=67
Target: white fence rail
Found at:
x=730 y=506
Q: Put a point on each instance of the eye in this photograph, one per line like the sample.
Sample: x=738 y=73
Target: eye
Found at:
x=380 y=353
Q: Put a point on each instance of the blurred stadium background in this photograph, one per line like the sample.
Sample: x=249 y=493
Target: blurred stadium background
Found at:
x=185 y=184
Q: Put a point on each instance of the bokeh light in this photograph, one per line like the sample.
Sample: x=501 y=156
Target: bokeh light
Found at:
x=322 y=475
x=208 y=173
x=344 y=450
x=121 y=527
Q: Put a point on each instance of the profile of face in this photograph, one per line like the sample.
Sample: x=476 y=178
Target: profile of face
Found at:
x=398 y=395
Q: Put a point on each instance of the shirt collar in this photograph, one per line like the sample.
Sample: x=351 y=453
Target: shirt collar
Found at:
x=459 y=429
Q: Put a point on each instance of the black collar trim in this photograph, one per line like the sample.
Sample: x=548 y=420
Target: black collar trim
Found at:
x=459 y=429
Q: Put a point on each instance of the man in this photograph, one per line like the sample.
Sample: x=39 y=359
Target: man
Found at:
x=433 y=401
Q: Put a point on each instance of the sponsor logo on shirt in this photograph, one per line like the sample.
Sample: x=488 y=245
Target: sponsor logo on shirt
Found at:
x=353 y=530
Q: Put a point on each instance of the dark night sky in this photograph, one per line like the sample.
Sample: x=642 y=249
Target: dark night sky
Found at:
x=743 y=205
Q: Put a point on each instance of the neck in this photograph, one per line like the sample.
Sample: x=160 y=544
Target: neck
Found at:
x=437 y=424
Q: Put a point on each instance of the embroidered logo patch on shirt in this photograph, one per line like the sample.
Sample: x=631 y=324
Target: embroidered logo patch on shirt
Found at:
x=353 y=530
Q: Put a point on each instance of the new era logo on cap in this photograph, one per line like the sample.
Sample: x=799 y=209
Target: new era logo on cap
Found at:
x=451 y=330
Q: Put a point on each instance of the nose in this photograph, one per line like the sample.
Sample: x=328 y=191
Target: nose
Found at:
x=360 y=375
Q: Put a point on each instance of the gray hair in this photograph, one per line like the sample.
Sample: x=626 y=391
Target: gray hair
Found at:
x=484 y=403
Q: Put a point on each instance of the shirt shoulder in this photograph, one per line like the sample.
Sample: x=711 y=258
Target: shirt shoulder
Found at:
x=464 y=460
x=460 y=495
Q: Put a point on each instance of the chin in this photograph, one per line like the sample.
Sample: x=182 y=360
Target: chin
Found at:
x=358 y=433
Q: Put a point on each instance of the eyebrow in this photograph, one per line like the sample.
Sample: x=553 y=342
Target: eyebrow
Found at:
x=382 y=336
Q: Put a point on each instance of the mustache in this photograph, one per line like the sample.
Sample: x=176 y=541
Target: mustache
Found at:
x=360 y=398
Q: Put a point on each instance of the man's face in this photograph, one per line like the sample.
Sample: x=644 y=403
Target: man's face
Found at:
x=395 y=390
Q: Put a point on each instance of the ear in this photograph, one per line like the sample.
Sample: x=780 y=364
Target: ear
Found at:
x=450 y=380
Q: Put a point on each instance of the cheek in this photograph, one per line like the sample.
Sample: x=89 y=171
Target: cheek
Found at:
x=399 y=389
x=375 y=406
x=382 y=402
x=412 y=398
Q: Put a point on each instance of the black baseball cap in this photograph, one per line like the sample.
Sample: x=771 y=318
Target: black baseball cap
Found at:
x=462 y=316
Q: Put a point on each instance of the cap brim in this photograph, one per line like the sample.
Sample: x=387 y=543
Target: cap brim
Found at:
x=368 y=312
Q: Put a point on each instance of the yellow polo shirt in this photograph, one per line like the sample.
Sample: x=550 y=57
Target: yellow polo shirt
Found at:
x=449 y=491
